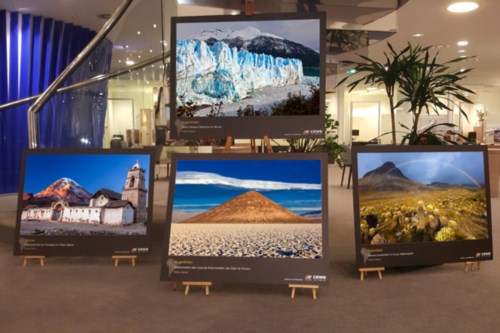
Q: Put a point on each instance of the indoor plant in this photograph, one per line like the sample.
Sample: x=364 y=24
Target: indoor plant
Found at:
x=422 y=82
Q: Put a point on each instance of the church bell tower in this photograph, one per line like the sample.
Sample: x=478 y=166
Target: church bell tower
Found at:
x=135 y=192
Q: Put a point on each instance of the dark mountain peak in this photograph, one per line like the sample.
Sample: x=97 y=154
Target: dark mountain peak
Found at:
x=386 y=169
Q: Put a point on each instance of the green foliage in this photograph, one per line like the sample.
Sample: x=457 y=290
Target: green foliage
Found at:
x=429 y=137
x=428 y=85
x=423 y=83
x=377 y=74
x=327 y=144
x=298 y=104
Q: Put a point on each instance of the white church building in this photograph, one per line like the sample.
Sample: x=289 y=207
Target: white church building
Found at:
x=105 y=206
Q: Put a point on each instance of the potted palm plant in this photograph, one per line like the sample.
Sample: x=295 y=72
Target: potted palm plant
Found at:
x=422 y=83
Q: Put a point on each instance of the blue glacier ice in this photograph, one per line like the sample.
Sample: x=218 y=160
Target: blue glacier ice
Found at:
x=217 y=73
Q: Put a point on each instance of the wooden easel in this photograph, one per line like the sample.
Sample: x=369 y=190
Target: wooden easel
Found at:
x=248 y=7
x=472 y=266
x=205 y=284
x=40 y=258
x=253 y=147
x=131 y=258
x=364 y=272
x=314 y=288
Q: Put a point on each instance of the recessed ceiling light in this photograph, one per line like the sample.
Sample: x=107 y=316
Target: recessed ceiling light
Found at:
x=461 y=51
x=138 y=32
x=150 y=51
x=463 y=43
x=154 y=25
x=418 y=35
x=462 y=7
x=129 y=62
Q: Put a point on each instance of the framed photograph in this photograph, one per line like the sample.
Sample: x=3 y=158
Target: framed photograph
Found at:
x=248 y=76
x=254 y=218
x=421 y=205
x=85 y=202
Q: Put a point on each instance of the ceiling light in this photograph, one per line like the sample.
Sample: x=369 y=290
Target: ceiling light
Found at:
x=463 y=43
x=418 y=35
x=462 y=7
x=138 y=32
x=461 y=51
x=154 y=25
x=129 y=62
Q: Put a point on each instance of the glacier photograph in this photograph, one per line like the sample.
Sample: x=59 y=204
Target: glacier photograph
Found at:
x=247 y=68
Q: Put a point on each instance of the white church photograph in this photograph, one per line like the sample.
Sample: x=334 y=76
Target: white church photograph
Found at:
x=105 y=195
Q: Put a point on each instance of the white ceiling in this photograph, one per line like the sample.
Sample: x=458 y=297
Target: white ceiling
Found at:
x=429 y=17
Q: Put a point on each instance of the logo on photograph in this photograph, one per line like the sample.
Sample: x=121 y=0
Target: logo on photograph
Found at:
x=315 y=278
x=171 y=266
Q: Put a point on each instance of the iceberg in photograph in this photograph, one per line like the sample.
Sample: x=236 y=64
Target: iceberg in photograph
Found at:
x=213 y=74
x=231 y=70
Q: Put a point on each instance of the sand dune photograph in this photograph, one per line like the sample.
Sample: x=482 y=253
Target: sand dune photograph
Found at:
x=241 y=208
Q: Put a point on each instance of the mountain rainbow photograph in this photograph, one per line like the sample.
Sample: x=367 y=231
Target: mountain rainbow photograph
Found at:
x=407 y=197
x=247 y=208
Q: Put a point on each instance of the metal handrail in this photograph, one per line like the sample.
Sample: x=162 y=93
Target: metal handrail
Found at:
x=52 y=89
x=92 y=80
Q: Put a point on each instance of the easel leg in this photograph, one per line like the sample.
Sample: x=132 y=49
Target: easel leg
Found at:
x=363 y=272
x=469 y=266
x=205 y=285
x=40 y=258
x=314 y=288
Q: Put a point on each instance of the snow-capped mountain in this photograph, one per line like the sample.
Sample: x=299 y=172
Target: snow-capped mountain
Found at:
x=63 y=189
x=254 y=40
x=246 y=34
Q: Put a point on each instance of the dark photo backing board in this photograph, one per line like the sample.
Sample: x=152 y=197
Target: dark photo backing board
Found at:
x=248 y=77
x=79 y=202
x=249 y=218
x=421 y=205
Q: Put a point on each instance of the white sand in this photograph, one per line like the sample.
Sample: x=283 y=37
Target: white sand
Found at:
x=246 y=240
